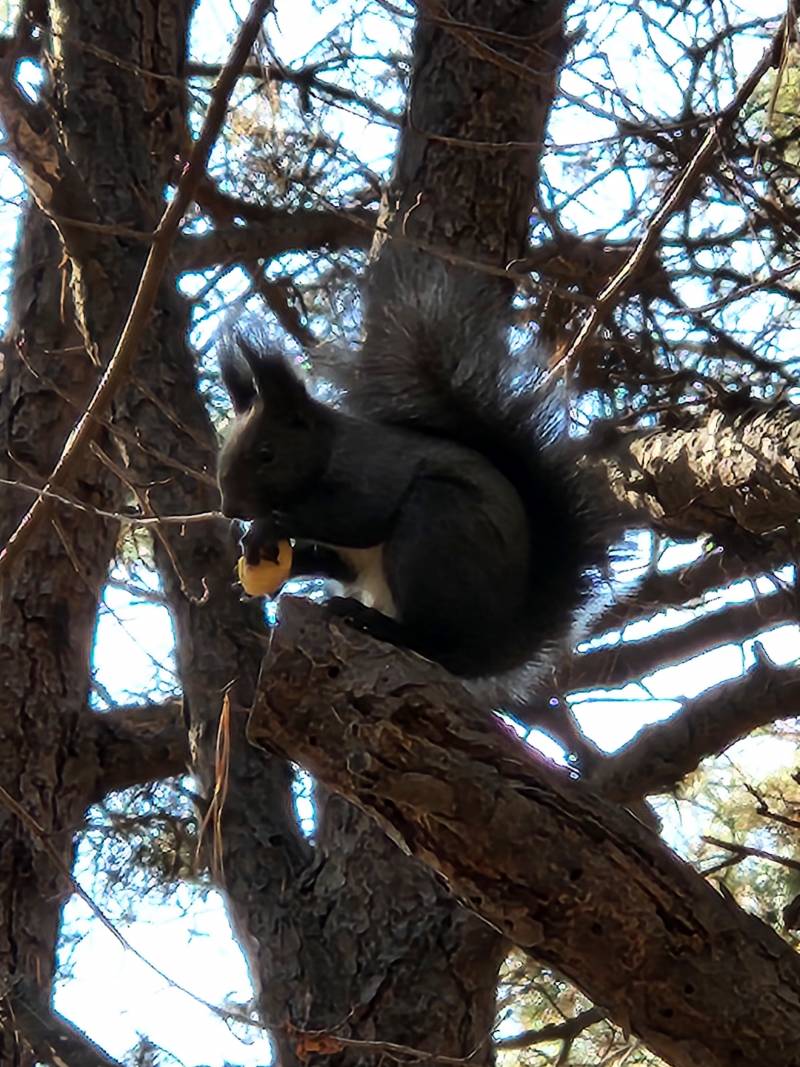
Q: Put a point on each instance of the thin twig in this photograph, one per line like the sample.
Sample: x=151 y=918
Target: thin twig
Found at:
x=678 y=196
x=121 y=361
x=43 y=838
x=118 y=516
x=742 y=852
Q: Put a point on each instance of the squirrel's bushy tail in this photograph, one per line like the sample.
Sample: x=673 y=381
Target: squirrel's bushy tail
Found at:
x=436 y=354
x=437 y=358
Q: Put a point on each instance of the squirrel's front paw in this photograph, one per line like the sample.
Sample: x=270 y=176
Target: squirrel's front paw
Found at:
x=260 y=543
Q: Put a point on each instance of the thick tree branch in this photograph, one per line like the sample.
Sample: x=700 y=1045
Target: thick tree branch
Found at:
x=735 y=477
x=564 y=874
x=661 y=755
x=607 y=667
x=137 y=744
x=297 y=231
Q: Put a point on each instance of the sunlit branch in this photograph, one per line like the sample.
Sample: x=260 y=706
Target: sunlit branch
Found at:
x=660 y=756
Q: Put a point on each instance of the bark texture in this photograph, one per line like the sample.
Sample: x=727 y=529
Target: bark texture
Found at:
x=47 y=618
x=736 y=477
x=576 y=881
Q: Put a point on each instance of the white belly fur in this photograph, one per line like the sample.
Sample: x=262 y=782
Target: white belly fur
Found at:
x=370 y=585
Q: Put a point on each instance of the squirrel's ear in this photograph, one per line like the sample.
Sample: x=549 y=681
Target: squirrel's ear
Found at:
x=279 y=388
x=237 y=378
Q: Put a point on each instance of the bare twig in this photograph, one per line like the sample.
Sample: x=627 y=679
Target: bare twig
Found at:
x=122 y=358
x=683 y=188
x=741 y=852
x=118 y=516
x=565 y=1031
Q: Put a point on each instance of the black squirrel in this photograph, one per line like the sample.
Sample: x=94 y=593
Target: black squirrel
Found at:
x=441 y=496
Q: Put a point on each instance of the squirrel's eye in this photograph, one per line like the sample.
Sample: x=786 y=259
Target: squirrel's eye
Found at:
x=265 y=454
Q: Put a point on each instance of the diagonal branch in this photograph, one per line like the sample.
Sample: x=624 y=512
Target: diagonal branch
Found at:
x=563 y=873
x=684 y=586
x=565 y=1031
x=603 y=668
x=683 y=188
x=122 y=358
x=661 y=755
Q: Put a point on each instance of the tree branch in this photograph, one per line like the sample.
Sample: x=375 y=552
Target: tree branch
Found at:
x=676 y=588
x=563 y=873
x=731 y=476
x=306 y=80
x=296 y=231
x=565 y=1031
x=661 y=755
x=138 y=744
x=607 y=667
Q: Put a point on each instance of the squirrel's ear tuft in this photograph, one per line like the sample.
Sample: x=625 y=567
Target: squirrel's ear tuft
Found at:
x=279 y=388
x=237 y=378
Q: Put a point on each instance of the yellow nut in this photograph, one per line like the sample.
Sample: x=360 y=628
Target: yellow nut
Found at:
x=266 y=577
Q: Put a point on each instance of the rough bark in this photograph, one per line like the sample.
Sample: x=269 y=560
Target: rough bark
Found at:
x=451 y=187
x=734 y=477
x=565 y=875
x=47 y=617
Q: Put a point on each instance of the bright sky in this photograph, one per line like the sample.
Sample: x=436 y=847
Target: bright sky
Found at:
x=104 y=988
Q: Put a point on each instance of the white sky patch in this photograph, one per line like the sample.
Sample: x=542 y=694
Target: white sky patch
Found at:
x=115 y=997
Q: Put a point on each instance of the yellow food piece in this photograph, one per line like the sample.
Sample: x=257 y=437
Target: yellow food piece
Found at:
x=266 y=577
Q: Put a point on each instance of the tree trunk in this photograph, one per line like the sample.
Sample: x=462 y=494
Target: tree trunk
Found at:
x=47 y=618
x=48 y=603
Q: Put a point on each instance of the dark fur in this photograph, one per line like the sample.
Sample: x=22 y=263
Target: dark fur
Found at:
x=448 y=456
